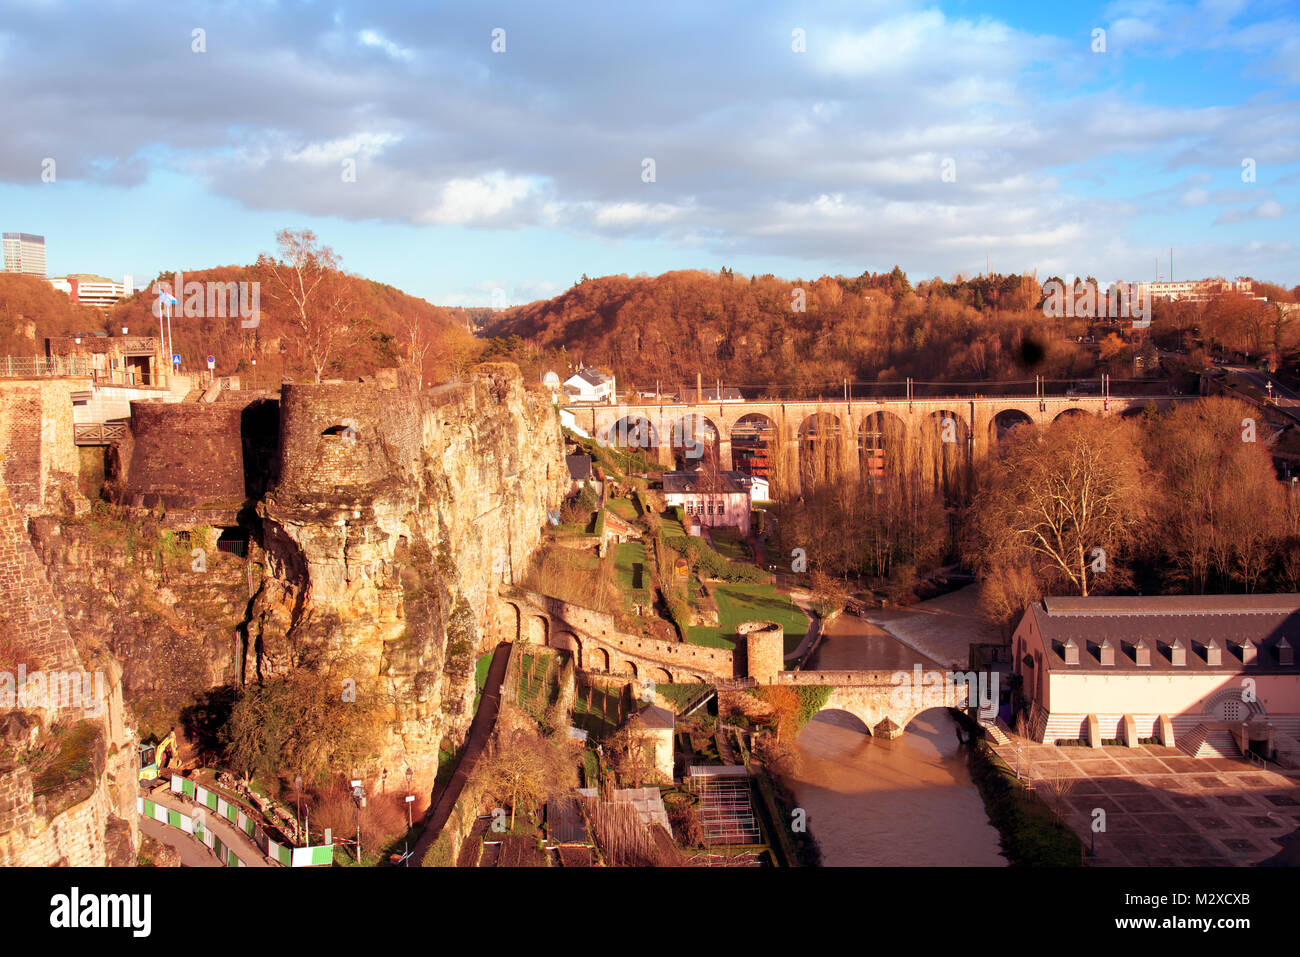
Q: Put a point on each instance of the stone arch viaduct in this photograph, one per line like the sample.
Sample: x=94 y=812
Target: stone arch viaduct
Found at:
x=882 y=701
x=863 y=425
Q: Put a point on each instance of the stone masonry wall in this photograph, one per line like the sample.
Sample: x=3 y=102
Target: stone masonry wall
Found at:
x=38 y=457
x=192 y=454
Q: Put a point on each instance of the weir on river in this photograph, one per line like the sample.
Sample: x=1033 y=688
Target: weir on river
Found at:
x=871 y=802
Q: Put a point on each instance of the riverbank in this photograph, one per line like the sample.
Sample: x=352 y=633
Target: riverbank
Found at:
x=1031 y=834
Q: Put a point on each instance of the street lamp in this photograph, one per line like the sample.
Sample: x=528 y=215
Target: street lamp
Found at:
x=410 y=824
x=359 y=798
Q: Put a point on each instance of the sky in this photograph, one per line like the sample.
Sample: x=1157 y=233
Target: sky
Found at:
x=492 y=153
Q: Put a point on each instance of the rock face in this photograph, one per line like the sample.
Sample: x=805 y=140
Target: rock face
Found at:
x=67 y=757
x=174 y=629
x=394 y=515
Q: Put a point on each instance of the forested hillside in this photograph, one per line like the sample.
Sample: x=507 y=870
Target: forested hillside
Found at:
x=374 y=327
x=753 y=331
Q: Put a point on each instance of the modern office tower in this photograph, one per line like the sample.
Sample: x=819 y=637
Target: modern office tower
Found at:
x=25 y=253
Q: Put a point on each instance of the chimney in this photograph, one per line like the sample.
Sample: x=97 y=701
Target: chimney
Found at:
x=1213 y=653
x=1285 y=653
x=1071 y=652
x=1247 y=651
x=1178 y=653
x=1142 y=654
x=1107 y=655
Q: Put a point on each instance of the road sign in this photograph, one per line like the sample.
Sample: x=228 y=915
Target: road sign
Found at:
x=212 y=362
x=176 y=360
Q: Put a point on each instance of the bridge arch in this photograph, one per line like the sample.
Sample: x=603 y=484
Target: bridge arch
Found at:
x=945 y=451
x=694 y=437
x=821 y=448
x=631 y=431
x=840 y=718
x=1068 y=413
x=753 y=440
x=1005 y=422
x=882 y=441
x=923 y=714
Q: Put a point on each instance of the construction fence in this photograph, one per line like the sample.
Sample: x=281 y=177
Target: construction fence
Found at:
x=176 y=819
x=285 y=855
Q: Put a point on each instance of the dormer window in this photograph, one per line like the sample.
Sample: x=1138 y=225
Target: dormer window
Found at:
x=1142 y=654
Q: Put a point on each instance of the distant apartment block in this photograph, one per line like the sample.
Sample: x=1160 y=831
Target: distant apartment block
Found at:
x=24 y=253
x=1199 y=289
x=92 y=290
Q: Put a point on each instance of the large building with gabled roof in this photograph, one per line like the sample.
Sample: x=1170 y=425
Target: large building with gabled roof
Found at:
x=1211 y=674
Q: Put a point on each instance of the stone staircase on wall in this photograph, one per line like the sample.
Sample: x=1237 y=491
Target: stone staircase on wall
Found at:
x=1205 y=742
x=997 y=731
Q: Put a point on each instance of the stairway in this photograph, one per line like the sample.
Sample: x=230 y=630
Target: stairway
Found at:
x=997 y=731
x=1202 y=742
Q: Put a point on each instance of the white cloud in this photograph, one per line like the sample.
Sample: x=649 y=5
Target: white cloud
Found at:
x=479 y=199
x=376 y=40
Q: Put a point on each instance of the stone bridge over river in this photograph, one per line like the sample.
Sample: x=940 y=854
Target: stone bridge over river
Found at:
x=884 y=701
x=841 y=436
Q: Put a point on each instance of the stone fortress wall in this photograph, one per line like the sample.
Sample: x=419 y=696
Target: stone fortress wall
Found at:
x=195 y=454
x=38 y=457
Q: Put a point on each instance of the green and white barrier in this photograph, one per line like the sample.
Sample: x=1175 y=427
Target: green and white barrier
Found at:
x=184 y=822
x=319 y=855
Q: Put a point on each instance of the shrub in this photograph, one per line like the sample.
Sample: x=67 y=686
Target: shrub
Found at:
x=710 y=563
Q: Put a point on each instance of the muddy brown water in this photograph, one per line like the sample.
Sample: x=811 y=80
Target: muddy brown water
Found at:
x=870 y=802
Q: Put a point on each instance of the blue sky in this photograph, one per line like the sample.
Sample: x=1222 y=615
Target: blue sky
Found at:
x=489 y=177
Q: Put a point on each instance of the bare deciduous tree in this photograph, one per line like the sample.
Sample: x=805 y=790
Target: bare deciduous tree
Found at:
x=1068 y=500
x=306 y=280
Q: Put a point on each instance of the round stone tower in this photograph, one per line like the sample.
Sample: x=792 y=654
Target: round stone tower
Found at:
x=764 y=649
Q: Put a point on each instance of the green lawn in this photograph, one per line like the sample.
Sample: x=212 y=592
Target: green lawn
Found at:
x=738 y=603
x=730 y=545
x=624 y=508
x=630 y=566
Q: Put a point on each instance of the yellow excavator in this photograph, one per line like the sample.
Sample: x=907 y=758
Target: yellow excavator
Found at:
x=154 y=757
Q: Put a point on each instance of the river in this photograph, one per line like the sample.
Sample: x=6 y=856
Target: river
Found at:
x=870 y=802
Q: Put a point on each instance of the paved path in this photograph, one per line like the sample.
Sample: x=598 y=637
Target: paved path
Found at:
x=193 y=853
x=480 y=731
x=239 y=842
x=1163 y=808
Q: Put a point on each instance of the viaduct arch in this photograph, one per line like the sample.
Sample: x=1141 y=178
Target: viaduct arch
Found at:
x=853 y=436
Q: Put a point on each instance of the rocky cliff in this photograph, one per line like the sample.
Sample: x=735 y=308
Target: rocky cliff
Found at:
x=67 y=755
x=394 y=515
